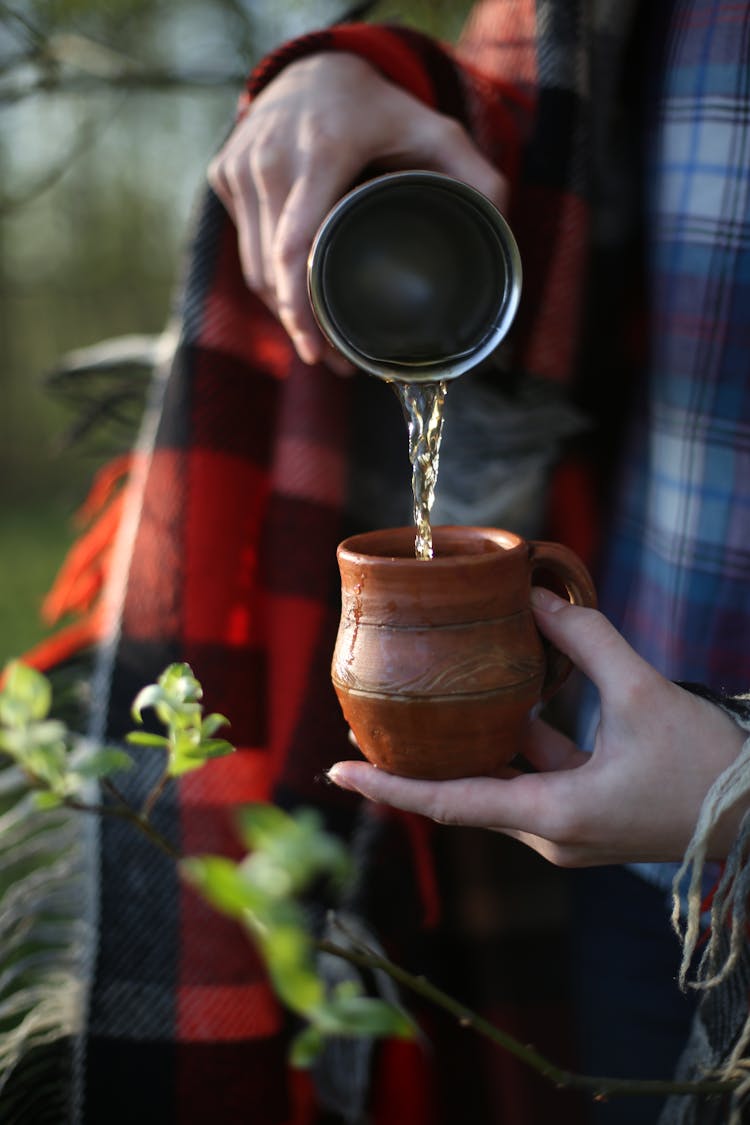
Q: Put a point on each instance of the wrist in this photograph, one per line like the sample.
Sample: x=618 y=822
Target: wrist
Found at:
x=386 y=49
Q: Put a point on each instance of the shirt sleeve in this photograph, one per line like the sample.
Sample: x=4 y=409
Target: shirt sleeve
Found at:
x=496 y=114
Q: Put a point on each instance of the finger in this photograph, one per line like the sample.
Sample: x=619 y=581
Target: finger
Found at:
x=310 y=199
x=548 y=749
x=468 y=164
x=410 y=794
x=241 y=188
x=273 y=179
x=507 y=772
x=443 y=144
x=216 y=177
x=546 y=812
x=528 y=802
x=589 y=639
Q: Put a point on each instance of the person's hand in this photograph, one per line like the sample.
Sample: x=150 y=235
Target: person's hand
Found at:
x=305 y=141
x=635 y=798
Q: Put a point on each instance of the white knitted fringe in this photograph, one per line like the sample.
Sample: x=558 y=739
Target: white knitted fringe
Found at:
x=729 y=908
x=40 y=929
x=729 y=787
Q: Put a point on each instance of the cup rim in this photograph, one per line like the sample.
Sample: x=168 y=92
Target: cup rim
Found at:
x=498 y=541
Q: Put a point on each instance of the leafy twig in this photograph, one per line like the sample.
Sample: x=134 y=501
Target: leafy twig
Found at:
x=285 y=855
x=189 y=741
x=597 y=1086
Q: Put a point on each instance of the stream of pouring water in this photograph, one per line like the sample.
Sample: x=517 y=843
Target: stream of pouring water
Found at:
x=422 y=404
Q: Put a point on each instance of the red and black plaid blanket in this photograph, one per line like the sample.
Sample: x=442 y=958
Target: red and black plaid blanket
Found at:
x=220 y=550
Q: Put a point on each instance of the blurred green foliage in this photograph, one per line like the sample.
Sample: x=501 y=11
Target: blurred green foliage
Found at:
x=32 y=539
x=109 y=113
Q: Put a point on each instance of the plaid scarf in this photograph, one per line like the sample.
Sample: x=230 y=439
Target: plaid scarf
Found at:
x=220 y=550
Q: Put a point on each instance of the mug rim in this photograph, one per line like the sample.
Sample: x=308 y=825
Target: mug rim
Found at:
x=500 y=541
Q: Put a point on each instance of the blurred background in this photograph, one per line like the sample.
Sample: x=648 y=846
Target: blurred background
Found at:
x=109 y=113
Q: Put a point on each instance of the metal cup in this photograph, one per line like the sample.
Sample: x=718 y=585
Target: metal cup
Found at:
x=414 y=276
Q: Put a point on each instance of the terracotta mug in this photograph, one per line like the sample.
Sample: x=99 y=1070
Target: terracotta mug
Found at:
x=438 y=664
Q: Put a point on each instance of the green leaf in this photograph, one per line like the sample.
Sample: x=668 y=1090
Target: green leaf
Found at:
x=186 y=741
x=147 y=697
x=288 y=945
x=189 y=745
x=143 y=738
x=345 y=989
x=48 y=763
x=180 y=685
x=259 y=823
x=364 y=1015
x=214 y=748
x=47 y=800
x=297 y=986
x=306 y=1046
x=102 y=763
x=212 y=723
x=49 y=732
x=178 y=715
x=183 y=753
x=13 y=712
x=277 y=880
x=296 y=846
x=28 y=688
x=14 y=741
x=221 y=883
x=182 y=764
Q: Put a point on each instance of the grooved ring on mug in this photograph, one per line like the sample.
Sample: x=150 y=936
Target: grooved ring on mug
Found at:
x=565 y=567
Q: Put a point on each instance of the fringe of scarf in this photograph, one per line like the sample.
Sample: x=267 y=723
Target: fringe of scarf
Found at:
x=721 y=1033
x=41 y=935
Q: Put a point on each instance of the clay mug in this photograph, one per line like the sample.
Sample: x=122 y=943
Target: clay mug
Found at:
x=438 y=664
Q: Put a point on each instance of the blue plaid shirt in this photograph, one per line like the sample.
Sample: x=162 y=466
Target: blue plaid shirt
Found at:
x=676 y=579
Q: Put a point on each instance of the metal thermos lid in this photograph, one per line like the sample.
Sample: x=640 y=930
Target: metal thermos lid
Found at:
x=414 y=276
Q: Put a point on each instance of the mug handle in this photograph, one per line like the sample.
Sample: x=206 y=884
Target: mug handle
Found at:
x=564 y=565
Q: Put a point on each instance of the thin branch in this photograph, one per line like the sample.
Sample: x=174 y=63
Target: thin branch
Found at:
x=35 y=33
x=88 y=135
x=599 y=1087
x=141 y=81
x=125 y=812
x=154 y=795
x=114 y=791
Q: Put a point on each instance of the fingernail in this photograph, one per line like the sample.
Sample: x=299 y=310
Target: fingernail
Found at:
x=306 y=348
x=335 y=777
x=541 y=598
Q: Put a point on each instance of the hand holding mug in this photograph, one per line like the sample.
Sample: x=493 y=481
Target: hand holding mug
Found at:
x=636 y=798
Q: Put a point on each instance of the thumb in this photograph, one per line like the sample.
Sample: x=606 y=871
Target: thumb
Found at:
x=587 y=637
x=469 y=165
